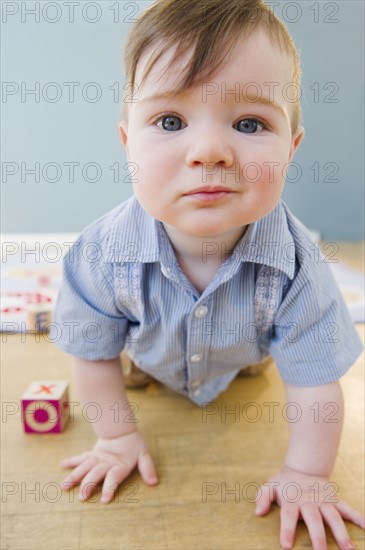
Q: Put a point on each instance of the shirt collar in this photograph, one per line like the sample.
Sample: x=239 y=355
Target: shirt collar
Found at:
x=269 y=242
x=135 y=236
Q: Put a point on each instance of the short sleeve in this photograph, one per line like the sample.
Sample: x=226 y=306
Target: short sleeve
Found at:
x=314 y=341
x=86 y=321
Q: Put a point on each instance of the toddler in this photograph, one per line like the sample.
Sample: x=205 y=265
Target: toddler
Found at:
x=205 y=271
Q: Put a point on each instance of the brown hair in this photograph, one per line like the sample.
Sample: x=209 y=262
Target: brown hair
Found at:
x=213 y=27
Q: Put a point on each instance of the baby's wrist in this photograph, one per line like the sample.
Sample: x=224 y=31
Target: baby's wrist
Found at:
x=109 y=436
x=303 y=471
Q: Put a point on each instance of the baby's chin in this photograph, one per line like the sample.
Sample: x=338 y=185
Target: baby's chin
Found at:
x=205 y=230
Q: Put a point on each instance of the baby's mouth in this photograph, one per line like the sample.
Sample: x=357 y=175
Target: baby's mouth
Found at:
x=209 y=193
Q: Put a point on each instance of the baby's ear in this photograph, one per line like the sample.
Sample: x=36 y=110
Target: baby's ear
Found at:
x=296 y=141
x=123 y=128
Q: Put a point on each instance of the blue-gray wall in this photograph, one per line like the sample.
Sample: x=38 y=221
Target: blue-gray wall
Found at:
x=328 y=194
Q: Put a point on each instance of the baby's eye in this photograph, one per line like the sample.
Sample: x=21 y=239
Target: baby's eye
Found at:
x=171 y=123
x=249 y=125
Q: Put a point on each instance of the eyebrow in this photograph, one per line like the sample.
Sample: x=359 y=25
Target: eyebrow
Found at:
x=247 y=98
x=265 y=101
x=156 y=97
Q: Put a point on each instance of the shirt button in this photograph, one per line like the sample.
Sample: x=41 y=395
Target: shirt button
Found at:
x=196 y=392
x=201 y=311
x=196 y=357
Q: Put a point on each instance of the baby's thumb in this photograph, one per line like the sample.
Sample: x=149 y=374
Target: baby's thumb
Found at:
x=146 y=468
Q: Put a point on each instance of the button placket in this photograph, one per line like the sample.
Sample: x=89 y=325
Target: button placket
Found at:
x=195 y=341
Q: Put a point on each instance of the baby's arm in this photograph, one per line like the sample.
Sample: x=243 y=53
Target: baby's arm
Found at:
x=315 y=437
x=302 y=489
x=119 y=448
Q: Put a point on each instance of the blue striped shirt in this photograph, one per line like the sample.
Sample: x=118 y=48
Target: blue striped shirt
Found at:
x=123 y=289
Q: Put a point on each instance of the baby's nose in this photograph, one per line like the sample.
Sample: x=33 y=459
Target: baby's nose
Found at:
x=208 y=147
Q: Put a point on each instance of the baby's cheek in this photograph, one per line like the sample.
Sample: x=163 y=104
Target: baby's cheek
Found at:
x=272 y=174
x=139 y=178
x=153 y=166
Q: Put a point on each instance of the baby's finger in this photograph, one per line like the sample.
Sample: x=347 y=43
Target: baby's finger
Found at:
x=91 y=480
x=350 y=514
x=333 y=518
x=73 y=461
x=78 y=474
x=263 y=504
x=147 y=469
x=113 y=479
x=289 y=515
x=314 y=522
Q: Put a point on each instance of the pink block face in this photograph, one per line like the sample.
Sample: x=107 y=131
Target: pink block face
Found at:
x=45 y=407
x=44 y=416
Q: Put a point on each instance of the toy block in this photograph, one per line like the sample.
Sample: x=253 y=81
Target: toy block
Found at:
x=45 y=407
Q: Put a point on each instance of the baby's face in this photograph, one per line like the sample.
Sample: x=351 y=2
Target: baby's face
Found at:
x=209 y=137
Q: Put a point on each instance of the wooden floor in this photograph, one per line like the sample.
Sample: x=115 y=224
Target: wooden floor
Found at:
x=195 y=455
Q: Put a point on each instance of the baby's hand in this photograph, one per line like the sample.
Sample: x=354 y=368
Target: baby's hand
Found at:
x=111 y=460
x=313 y=500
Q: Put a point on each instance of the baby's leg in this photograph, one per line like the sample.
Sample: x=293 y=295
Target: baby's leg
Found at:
x=133 y=376
x=255 y=370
